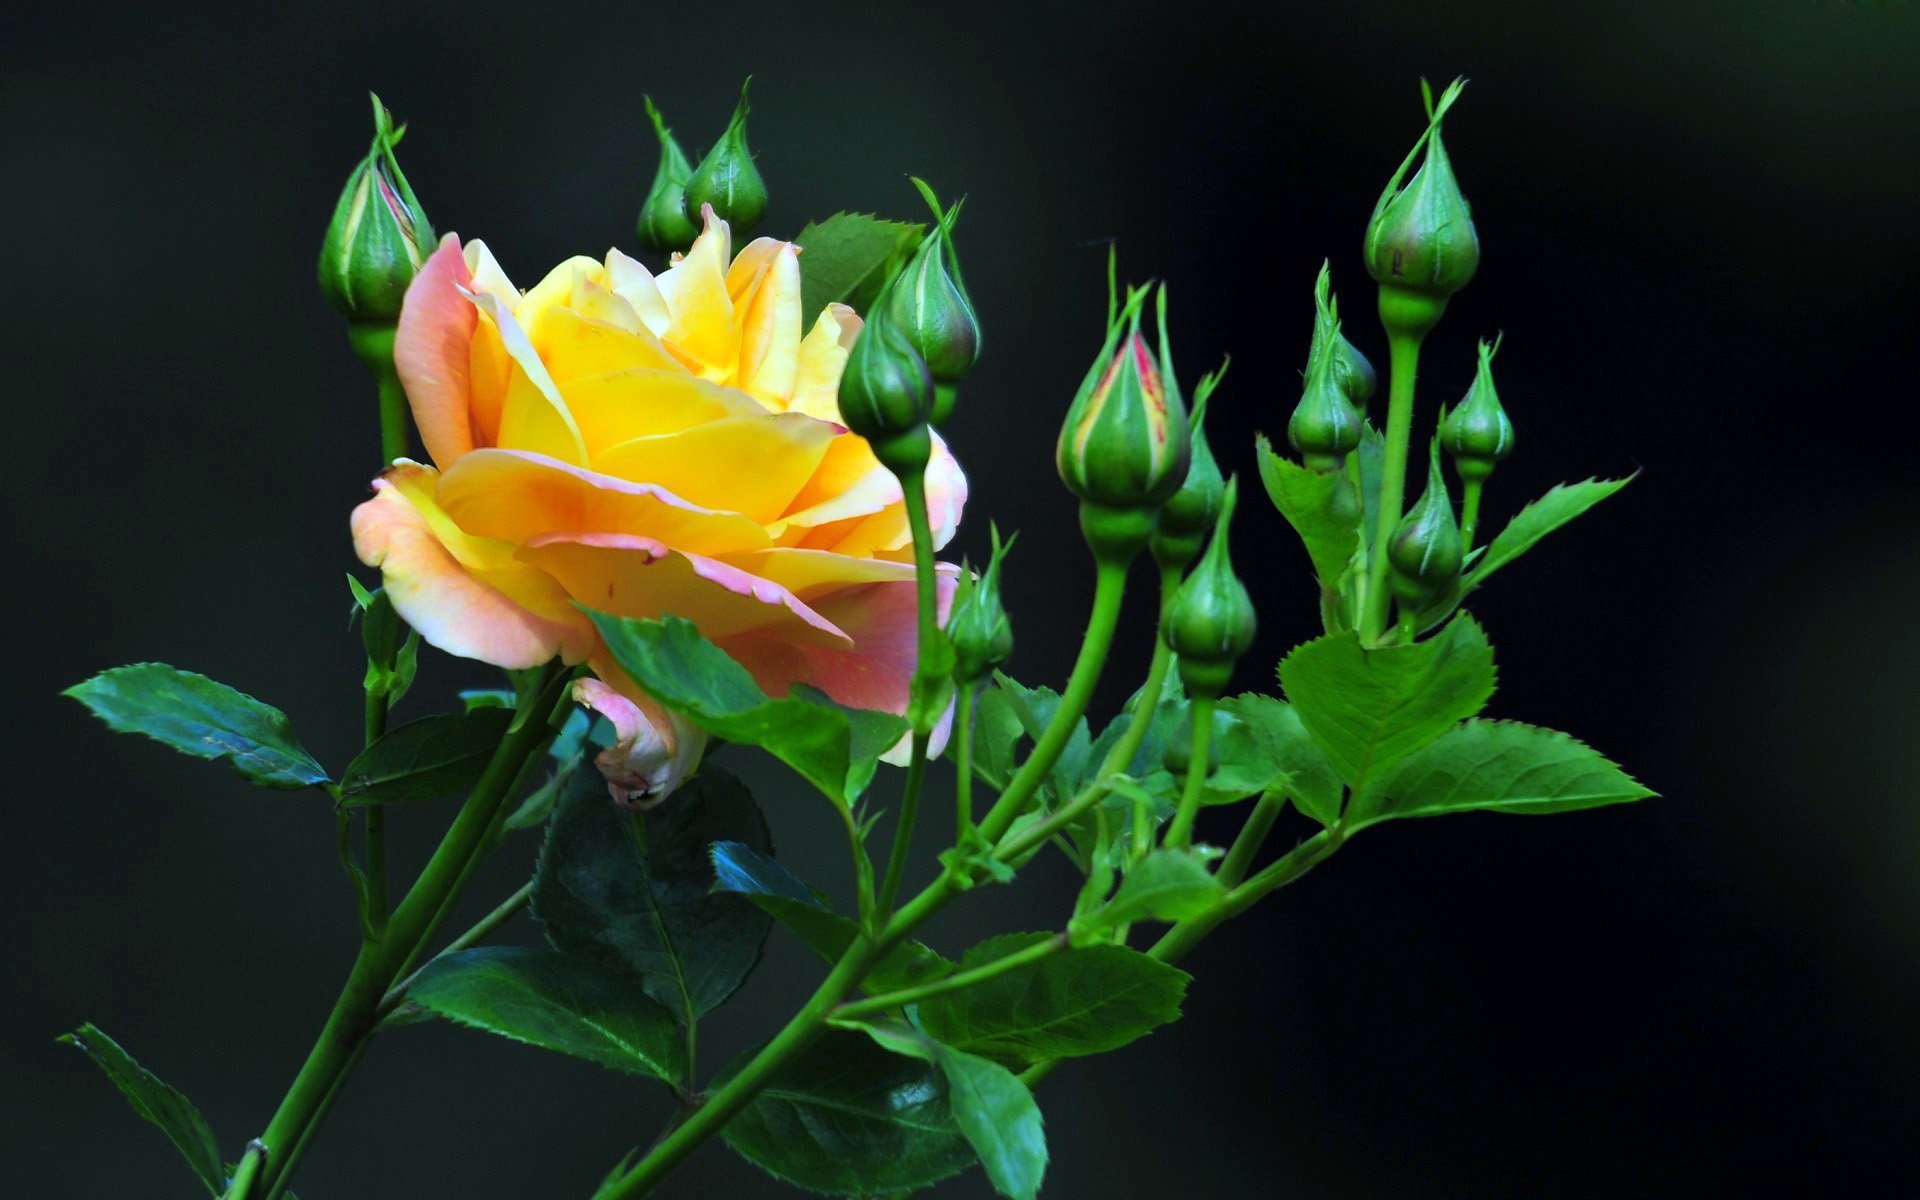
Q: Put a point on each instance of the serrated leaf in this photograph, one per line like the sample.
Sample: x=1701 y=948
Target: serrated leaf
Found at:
x=834 y=748
x=1168 y=885
x=1078 y=1002
x=1370 y=708
x=1268 y=738
x=738 y=868
x=1561 y=504
x=425 y=759
x=637 y=888
x=158 y=1103
x=847 y=1118
x=1307 y=499
x=996 y=737
x=1497 y=766
x=846 y=258
x=1035 y=706
x=561 y=1002
x=991 y=1106
x=197 y=716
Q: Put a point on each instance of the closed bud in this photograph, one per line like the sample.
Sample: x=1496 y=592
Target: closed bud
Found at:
x=1324 y=427
x=373 y=246
x=727 y=179
x=1210 y=623
x=1421 y=245
x=1124 y=447
x=1190 y=512
x=932 y=306
x=886 y=392
x=1478 y=433
x=1351 y=369
x=978 y=626
x=665 y=225
x=1426 y=551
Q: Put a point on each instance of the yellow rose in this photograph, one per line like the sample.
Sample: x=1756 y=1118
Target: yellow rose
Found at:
x=645 y=445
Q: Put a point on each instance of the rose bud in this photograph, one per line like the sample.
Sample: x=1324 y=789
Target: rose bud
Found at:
x=1478 y=433
x=1351 y=370
x=1210 y=623
x=982 y=636
x=373 y=245
x=933 y=308
x=1425 y=551
x=886 y=391
x=1421 y=245
x=664 y=225
x=727 y=179
x=1123 y=448
x=1190 y=512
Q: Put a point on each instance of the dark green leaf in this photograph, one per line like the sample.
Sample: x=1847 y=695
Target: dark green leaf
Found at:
x=1560 y=505
x=637 y=888
x=847 y=1118
x=834 y=748
x=1499 y=766
x=1079 y=1002
x=991 y=1106
x=197 y=716
x=845 y=259
x=425 y=759
x=1166 y=719
x=1267 y=736
x=1035 y=708
x=1368 y=709
x=738 y=868
x=562 y=1002
x=164 y=1106
x=1305 y=497
x=1167 y=885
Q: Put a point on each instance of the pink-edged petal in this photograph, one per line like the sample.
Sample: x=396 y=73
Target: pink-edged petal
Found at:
x=946 y=492
x=653 y=751
x=432 y=350
x=468 y=599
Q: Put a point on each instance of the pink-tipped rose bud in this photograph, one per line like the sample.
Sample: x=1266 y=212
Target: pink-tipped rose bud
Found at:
x=653 y=752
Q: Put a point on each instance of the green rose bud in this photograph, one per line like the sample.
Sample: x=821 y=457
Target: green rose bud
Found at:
x=664 y=225
x=1210 y=623
x=1123 y=448
x=1190 y=512
x=378 y=237
x=1477 y=433
x=727 y=179
x=886 y=392
x=978 y=626
x=1426 y=551
x=1421 y=245
x=933 y=307
x=1324 y=427
x=1351 y=370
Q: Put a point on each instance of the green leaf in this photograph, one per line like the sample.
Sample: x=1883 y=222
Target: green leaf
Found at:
x=1079 y=1002
x=1268 y=737
x=996 y=738
x=1167 y=885
x=1035 y=708
x=1162 y=724
x=197 y=716
x=847 y=1118
x=781 y=894
x=1560 y=505
x=834 y=748
x=1370 y=708
x=425 y=759
x=637 y=888
x=846 y=258
x=991 y=1106
x=157 y=1102
x=562 y=1002
x=1497 y=766
x=1305 y=497
x=477 y=698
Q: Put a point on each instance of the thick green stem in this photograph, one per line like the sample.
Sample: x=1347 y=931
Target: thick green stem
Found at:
x=1404 y=361
x=1469 y=512
x=963 y=766
x=376 y=725
x=480 y=931
x=381 y=961
x=914 y=488
x=1180 y=833
x=1176 y=942
x=1266 y=810
x=952 y=983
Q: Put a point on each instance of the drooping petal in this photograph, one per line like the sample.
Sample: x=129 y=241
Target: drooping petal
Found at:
x=653 y=751
x=466 y=596
x=749 y=465
x=431 y=350
x=946 y=492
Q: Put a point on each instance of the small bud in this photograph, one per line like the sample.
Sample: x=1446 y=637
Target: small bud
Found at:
x=664 y=225
x=982 y=636
x=727 y=179
x=1421 y=245
x=1478 y=433
x=1324 y=427
x=1123 y=448
x=1426 y=551
x=1210 y=623
x=1351 y=370
x=886 y=392
x=932 y=306
x=374 y=244
x=1190 y=512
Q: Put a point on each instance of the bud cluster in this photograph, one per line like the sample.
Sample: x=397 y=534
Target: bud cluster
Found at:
x=726 y=178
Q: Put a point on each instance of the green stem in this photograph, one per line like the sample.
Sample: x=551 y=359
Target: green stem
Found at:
x=1180 y=833
x=381 y=961
x=963 y=766
x=376 y=725
x=481 y=930
x=1176 y=942
x=1469 y=511
x=952 y=983
x=927 y=590
x=251 y=1164
x=1266 y=810
x=1404 y=361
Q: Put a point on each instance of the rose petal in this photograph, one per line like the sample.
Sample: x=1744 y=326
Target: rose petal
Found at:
x=750 y=465
x=653 y=751
x=431 y=351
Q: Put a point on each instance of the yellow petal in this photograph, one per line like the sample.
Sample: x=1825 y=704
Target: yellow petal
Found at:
x=533 y=416
x=769 y=320
x=572 y=344
x=749 y=465
x=695 y=289
x=619 y=406
x=823 y=355
x=555 y=291
x=632 y=282
x=595 y=303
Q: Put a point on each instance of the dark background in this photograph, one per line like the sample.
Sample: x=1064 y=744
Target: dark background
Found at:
x=1699 y=223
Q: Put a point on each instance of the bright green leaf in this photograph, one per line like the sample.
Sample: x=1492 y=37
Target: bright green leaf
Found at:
x=197 y=716
x=425 y=759
x=1167 y=885
x=846 y=258
x=157 y=1102
x=1306 y=498
x=561 y=1002
x=996 y=737
x=1267 y=736
x=1560 y=505
x=1497 y=766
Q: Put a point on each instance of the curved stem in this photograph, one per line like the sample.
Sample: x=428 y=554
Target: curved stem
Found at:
x=952 y=983
x=1266 y=810
x=1180 y=833
x=928 y=594
x=1404 y=361
x=1140 y=722
x=481 y=930
x=1176 y=942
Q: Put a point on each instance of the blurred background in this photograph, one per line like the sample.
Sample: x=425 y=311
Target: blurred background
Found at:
x=1699 y=227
